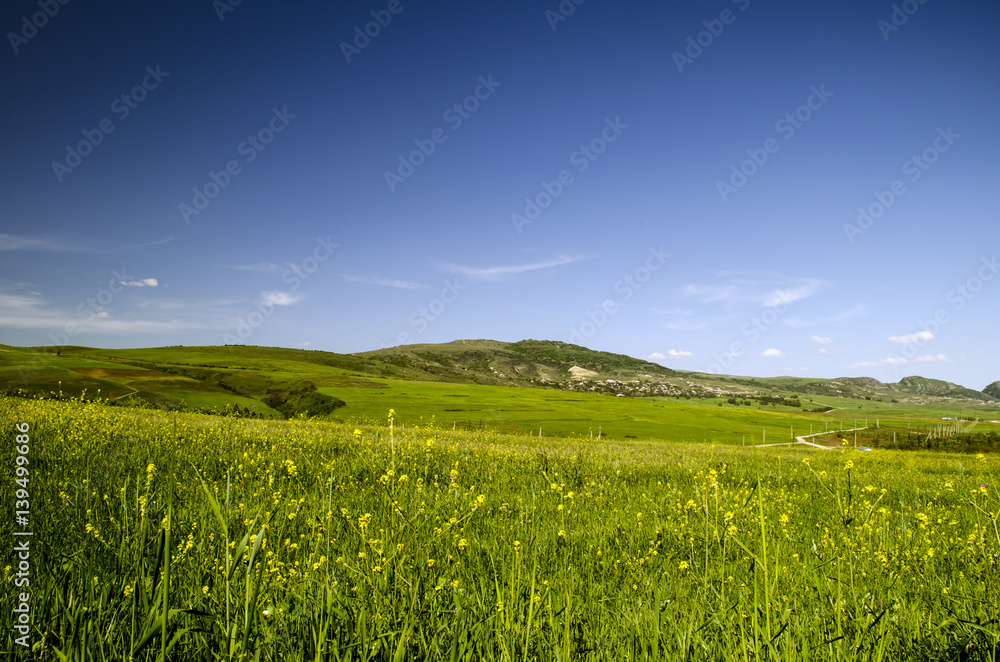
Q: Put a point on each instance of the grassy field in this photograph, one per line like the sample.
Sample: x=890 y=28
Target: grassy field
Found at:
x=562 y=413
x=160 y=536
x=212 y=378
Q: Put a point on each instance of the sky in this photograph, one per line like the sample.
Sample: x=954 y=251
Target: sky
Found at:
x=746 y=187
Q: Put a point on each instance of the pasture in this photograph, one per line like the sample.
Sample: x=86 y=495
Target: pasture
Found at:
x=186 y=537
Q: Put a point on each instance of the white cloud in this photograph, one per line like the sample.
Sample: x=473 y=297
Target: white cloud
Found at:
x=499 y=273
x=145 y=282
x=280 y=298
x=671 y=355
x=921 y=336
x=773 y=353
x=387 y=282
x=826 y=352
x=820 y=340
x=889 y=360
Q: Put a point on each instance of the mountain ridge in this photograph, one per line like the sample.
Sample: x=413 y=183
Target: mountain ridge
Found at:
x=219 y=370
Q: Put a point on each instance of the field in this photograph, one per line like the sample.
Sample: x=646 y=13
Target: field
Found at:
x=567 y=414
x=461 y=385
x=171 y=536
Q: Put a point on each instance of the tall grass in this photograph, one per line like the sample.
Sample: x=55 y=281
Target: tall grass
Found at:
x=200 y=538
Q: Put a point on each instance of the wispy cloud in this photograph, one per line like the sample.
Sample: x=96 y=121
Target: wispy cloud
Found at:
x=386 y=282
x=678 y=312
x=687 y=326
x=920 y=336
x=12 y=242
x=753 y=287
x=827 y=352
x=499 y=273
x=280 y=297
x=30 y=312
x=680 y=321
x=145 y=282
x=783 y=297
x=773 y=353
x=154 y=243
x=256 y=266
x=798 y=322
x=821 y=340
x=710 y=293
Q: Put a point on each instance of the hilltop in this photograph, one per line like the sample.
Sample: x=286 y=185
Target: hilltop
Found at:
x=539 y=362
x=909 y=389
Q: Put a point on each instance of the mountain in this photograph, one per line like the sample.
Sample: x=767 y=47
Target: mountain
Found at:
x=993 y=390
x=908 y=389
x=525 y=362
x=936 y=387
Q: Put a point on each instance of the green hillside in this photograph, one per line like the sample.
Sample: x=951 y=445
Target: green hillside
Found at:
x=561 y=388
x=527 y=361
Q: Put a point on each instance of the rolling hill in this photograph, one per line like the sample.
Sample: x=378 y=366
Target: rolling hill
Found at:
x=279 y=382
x=526 y=362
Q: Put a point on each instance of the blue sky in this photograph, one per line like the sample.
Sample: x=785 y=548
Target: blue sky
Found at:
x=751 y=187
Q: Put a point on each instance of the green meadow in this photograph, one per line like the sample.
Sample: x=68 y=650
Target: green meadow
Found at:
x=562 y=413
x=161 y=536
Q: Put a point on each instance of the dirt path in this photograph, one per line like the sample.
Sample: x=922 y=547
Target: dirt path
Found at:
x=802 y=440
